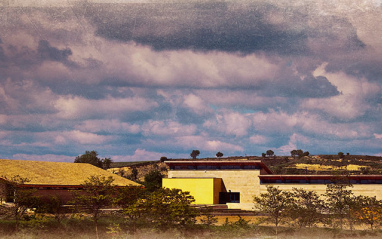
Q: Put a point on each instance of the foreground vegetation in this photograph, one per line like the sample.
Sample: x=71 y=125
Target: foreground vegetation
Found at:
x=103 y=211
x=115 y=227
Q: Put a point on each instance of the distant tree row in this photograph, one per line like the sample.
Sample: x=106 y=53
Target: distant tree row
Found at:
x=195 y=153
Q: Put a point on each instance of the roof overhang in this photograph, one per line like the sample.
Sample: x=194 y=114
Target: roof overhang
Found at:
x=258 y=163
x=320 y=177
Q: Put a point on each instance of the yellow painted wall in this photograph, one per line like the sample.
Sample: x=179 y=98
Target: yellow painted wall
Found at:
x=204 y=190
x=246 y=182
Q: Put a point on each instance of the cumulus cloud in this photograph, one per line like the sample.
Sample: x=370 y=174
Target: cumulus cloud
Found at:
x=145 y=80
x=230 y=123
x=139 y=155
x=46 y=157
x=167 y=128
x=77 y=107
x=108 y=126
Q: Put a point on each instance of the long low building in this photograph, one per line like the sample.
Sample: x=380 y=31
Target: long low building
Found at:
x=51 y=178
x=235 y=183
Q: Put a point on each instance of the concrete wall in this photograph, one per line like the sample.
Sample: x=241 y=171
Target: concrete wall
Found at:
x=246 y=182
x=358 y=189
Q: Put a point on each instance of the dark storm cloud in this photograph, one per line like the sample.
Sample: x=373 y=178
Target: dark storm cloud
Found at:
x=197 y=27
x=47 y=52
x=223 y=27
x=309 y=87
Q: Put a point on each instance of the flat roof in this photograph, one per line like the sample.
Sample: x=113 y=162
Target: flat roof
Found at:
x=320 y=177
x=222 y=162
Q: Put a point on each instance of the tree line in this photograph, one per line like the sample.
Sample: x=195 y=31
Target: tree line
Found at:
x=151 y=206
x=336 y=208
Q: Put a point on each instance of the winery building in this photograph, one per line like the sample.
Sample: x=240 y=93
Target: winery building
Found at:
x=235 y=183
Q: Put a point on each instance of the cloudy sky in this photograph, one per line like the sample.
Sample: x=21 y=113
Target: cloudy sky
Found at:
x=137 y=80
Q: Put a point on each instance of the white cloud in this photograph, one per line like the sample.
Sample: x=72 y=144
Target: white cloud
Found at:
x=196 y=104
x=258 y=139
x=204 y=143
x=167 y=128
x=230 y=123
x=378 y=136
x=352 y=102
x=294 y=141
x=72 y=107
x=109 y=126
x=45 y=157
x=139 y=155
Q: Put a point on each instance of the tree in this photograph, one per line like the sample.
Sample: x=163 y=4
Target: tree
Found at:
x=369 y=210
x=162 y=159
x=293 y=153
x=208 y=218
x=134 y=174
x=153 y=180
x=340 y=201
x=106 y=163
x=127 y=199
x=306 y=207
x=275 y=203
x=169 y=208
x=341 y=155
x=98 y=192
x=195 y=153
x=91 y=157
x=22 y=198
x=300 y=153
x=219 y=154
x=270 y=152
x=53 y=205
x=263 y=155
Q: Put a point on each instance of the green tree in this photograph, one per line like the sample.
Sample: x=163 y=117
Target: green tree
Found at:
x=53 y=205
x=194 y=153
x=341 y=155
x=369 y=210
x=91 y=157
x=340 y=202
x=153 y=180
x=22 y=198
x=300 y=153
x=169 y=208
x=134 y=174
x=97 y=193
x=275 y=203
x=127 y=199
x=208 y=217
x=270 y=152
x=293 y=153
x=219 y=154
x=106 y=163
x=306 y=207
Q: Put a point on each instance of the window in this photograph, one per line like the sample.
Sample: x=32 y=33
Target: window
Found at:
x=229 y=197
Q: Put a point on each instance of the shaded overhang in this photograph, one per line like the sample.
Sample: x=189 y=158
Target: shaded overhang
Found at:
x=333 y=178
x=242 y=164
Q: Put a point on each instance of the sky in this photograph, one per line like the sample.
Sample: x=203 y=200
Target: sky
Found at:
x=138 y=80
